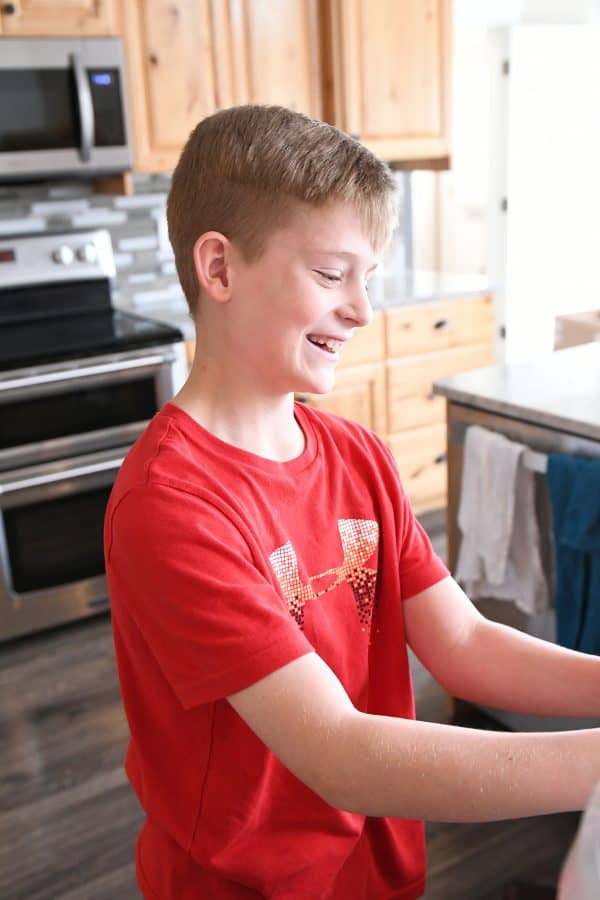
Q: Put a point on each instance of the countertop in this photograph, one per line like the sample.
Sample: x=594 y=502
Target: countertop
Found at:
x=560 y=391
x=408 y=287
x=423 y=286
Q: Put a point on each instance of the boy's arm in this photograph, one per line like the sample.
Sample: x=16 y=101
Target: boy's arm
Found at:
x=485 y=662
x=382 y=766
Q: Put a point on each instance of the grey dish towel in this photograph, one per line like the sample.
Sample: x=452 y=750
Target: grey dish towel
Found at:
x=500 y=549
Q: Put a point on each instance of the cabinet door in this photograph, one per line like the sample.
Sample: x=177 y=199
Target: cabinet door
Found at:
x=59 y=17
x=391 y=75
x=170 y=56
x=359 y=394
x=411 y=402
x=268 y=51
x=421 y=459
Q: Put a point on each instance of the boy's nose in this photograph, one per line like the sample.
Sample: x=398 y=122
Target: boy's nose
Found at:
x=359 y=309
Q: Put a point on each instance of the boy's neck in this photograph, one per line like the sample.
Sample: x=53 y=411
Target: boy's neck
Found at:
x=266 y=427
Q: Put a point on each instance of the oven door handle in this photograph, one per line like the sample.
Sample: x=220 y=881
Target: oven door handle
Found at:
x=33 y=481
x=144 y=362
x=85 y=106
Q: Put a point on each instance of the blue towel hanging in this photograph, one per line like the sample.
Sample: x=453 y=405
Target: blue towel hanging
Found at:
x=574 y=486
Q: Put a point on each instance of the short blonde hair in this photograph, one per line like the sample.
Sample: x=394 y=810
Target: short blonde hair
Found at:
x=242 y=169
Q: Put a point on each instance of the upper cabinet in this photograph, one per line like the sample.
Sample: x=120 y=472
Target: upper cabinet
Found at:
x=268 y=51
x=188 y=58
x=389 y=76
x=171 y=71
x=59 y=17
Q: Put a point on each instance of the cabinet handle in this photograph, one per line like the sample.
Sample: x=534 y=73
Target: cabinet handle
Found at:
x=442 y=324
x=440 y=458
x=9 y=9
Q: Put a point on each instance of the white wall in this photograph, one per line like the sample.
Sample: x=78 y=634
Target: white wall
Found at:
x=451 y=209
x=552 y=182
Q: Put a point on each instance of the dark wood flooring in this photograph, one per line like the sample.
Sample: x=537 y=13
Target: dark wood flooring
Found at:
x=68 y=818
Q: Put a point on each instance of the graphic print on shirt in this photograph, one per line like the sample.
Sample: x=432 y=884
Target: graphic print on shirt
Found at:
x=359 y=538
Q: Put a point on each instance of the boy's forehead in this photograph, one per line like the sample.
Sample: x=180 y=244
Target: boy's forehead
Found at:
x=334 y=230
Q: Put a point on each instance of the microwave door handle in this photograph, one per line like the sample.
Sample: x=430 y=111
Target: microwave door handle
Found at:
x=85 y=106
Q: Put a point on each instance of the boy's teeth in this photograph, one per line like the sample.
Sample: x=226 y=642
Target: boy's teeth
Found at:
x=329 y=343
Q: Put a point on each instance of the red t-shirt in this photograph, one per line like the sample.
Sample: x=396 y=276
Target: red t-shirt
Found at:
x=222 y=567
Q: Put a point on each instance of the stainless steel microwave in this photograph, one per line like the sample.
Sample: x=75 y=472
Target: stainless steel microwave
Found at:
x=63 y=108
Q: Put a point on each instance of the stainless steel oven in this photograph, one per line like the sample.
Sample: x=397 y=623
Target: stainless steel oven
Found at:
x=79 y=384
x=63 y=107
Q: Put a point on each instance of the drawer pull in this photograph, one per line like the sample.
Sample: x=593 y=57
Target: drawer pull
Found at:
x=442 y=324
x=440 y=458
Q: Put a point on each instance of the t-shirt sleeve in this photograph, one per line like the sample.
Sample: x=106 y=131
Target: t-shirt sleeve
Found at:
x=420 y=565
x=183 y=571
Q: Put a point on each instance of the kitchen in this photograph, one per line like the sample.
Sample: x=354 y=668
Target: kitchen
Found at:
x=70 y=791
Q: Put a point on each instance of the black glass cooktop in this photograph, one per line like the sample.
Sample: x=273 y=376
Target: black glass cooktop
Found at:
x=51 y=340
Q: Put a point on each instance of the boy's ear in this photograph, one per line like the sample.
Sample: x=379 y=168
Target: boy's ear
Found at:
x=211 y=261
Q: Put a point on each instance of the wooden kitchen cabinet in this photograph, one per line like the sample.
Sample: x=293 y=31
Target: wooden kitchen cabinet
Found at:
x=190 y=349
x=426 y=342
x=59 y=17
x=411 y=402
x=420 y=455
x=388 y=76
x=379 y=69
x=188 y=58
x=268 y=51
x=171 y=73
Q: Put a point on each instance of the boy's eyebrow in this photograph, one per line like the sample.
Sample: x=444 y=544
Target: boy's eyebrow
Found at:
x=346 y=254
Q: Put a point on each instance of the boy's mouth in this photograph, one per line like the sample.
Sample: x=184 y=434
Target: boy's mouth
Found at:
x=325 y=343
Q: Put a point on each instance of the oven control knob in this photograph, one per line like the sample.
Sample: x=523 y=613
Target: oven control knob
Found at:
x=87 y=253
x=63 y=255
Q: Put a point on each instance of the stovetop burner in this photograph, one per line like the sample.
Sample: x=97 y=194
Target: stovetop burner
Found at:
x=55 y=302
x=45 y=341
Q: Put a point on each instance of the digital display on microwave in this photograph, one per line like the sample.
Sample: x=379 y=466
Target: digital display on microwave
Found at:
x=7 y=254
x=102 y=78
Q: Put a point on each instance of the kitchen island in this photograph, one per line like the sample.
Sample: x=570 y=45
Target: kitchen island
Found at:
x=550 y=405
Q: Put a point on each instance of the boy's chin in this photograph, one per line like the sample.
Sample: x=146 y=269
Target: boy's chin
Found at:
x=317 y=387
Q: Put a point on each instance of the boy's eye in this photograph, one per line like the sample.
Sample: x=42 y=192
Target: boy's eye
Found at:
x=328 y=276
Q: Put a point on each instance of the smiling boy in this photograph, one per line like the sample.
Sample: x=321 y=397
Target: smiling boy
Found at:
x=267 y=573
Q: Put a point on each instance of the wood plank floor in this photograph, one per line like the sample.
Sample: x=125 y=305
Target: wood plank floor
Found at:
x=68 y=818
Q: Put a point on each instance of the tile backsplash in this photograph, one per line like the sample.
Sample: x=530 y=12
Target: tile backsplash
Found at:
x=146 y=280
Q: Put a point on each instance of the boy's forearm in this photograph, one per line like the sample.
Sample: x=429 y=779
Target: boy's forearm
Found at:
x=395 y=767
x=507 y=669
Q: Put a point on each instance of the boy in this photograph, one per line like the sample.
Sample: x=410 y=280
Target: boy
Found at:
x=267 y=574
